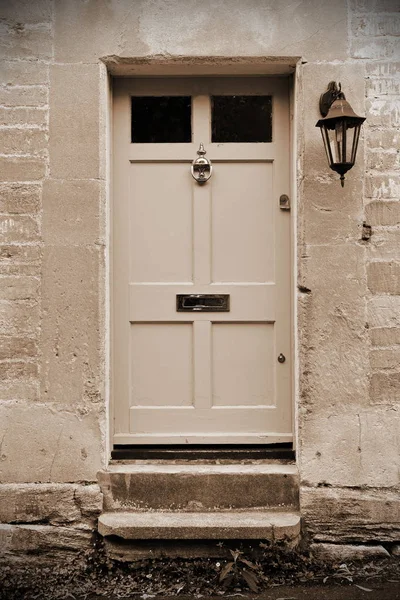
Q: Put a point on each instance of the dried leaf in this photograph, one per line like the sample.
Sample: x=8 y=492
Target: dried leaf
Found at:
x=226 y=570
x=363 y=588
x=235 y=554
x=249 y=564
x=251 y=580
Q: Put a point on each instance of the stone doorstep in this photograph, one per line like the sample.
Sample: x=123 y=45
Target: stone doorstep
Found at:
x=261 y=525
x=203 y=487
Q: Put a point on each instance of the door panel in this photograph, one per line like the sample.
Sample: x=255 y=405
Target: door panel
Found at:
x=160 y=217
x=201 y=377
x=151 y=349
x=242 y=203
x=242 y=364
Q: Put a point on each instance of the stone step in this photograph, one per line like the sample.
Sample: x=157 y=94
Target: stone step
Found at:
x=200 y=487
x=217 y=525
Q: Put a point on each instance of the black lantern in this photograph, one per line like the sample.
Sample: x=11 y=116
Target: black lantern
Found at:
x=340 y=128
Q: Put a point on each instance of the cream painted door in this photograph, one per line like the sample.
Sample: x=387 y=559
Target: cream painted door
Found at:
x=201 y=377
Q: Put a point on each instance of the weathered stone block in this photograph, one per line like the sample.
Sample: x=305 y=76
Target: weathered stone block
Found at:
x=50 y=503
x=57 y=446
x=17 y=370
x=71 y=212
x=18 y=72
x=49 y=542
x=71 y=338
x=21 y=169
x=330 y=449
x=23 y=141
x=17 y=347
x=386 y=139
x=351 y=515
x=383 y=161
x=18 y=198
x=20 y=390
x=327 y=218
x=19 y=318
x=336 y=342
x=342 y=552
x=20 y=41
x=383 y=87
x=385 y=245
x=20 y=270
x=89 y=499
x=375 y=25
x=383 y=69
x=380 y=445
x=385 y=336
x=19 y=288
x=382 y=112
x=374 y=48
x=385 y=359
x=383 y=213
x=23 y=116
x=74 y=121
x=37 y=503
x=19 y=229
x=351 y=449
x=384 y=277
x=384 y=311
x=20 y=254
x=29 y=96
x=382 y=186
x=374 y=5
x=385 y=388
x=155 y=28
x=26 y=11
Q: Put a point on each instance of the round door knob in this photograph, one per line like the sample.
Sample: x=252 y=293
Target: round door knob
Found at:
x=281 y=358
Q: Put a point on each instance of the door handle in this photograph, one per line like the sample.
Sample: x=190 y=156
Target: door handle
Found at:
x=201 y=166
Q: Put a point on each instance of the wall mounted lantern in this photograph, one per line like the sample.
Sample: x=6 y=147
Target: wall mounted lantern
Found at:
x=340 y=128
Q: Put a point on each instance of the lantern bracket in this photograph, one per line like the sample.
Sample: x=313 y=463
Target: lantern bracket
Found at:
x=334 y=92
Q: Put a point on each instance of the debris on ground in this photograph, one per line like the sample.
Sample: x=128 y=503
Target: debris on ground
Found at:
x=245 y=571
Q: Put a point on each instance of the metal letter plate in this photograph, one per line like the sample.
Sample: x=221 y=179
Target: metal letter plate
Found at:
x=203 y=302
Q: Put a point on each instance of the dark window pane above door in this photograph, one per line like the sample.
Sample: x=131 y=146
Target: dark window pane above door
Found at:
x=241 y=118
x=161 y=119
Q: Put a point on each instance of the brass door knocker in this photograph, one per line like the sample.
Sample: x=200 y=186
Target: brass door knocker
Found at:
x=201 y=167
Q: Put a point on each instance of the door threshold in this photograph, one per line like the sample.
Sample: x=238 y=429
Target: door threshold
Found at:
x=196 y=452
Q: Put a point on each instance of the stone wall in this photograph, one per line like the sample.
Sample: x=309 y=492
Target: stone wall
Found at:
x=53 y=213
x=351 y=396
x=51 y=254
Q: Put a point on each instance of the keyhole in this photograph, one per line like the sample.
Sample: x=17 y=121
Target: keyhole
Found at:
x=281 y=358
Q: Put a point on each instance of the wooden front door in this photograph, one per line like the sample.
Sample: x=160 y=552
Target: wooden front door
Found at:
x=199 y=376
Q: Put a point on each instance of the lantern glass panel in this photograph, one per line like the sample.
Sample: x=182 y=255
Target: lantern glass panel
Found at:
x=356 y=135
x=327 y=144
x=336 y=139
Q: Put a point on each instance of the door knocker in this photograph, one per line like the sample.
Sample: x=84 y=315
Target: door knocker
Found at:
x=201 y=167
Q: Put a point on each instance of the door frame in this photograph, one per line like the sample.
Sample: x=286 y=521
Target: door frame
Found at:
x=290 y=68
